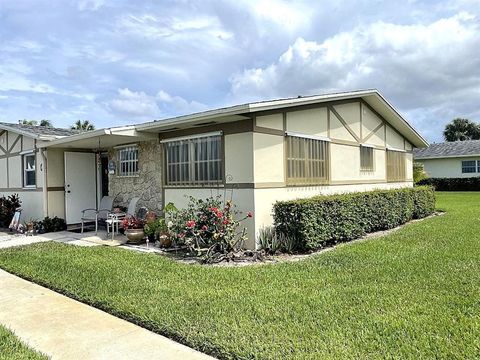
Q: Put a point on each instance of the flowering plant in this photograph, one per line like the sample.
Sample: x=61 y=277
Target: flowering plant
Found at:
x=208 y=226
x=131 y=222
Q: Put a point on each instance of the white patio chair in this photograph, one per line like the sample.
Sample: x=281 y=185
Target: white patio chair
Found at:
x=114 y=219
x=96 y=215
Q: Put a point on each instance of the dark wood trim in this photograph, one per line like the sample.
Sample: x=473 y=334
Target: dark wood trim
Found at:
x=21 y=189
x=55 y=188
x=15 y=143
x=230 y=128
x=373 y=131
x=269 y=131
x=344 y=123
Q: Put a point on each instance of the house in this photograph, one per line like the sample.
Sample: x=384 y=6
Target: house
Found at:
x=21 y=165
x=458 y=159
x=256 y=154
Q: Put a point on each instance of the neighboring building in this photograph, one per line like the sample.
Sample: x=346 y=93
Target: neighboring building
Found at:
x=458 y=159
x=256 y=153
x=20 y=162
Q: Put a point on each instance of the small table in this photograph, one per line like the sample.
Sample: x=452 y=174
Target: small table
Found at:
x=114 y=219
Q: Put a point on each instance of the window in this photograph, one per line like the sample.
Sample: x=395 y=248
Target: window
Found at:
x=29 y=177
x=195 y=161
x=366 y=158
x=470 y=166
x=396 y=166
x=307 y=161
x=128 y=161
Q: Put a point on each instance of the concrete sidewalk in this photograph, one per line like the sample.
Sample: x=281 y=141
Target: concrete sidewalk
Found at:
x=63 y=328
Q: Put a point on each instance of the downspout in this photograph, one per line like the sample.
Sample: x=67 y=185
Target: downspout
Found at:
x=45 y=184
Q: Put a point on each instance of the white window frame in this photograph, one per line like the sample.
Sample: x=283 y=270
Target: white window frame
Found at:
x=25 y=170
x=187 y=160
x=475 y=166
x=130 y=160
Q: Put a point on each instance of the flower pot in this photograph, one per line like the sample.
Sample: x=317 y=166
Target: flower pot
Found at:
x=165 y=241
x=135 y=236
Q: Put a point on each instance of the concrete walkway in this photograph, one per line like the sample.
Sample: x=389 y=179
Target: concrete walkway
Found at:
x=63 y=328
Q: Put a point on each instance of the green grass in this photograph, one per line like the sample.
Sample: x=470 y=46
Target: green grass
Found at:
x=414 y=294
x=12 y=348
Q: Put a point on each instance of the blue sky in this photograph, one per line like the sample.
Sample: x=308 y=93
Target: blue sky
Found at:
x=123 y=62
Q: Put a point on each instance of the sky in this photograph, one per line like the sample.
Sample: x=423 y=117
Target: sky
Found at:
x=123 y=62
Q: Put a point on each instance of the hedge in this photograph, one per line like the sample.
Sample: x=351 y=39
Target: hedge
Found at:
x=325 y=220
x=453 y=184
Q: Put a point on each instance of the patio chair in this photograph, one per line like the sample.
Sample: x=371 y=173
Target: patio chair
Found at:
x=100 y=214
x=114 y=219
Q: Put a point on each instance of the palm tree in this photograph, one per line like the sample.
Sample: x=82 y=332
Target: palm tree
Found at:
x=84 y=125
x=461 y=129
x=45 y=123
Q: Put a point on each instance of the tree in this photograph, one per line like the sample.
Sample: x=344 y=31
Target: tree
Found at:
x=29 y=122
x=45 y=123
x=84 y=125
x=461 y=129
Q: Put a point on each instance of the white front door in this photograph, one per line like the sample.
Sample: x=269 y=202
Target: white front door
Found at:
x=80 y=185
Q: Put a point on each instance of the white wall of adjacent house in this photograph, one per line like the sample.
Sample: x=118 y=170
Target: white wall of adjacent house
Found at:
x=450 y=167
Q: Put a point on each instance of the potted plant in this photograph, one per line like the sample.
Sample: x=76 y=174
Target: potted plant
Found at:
x=134 y=229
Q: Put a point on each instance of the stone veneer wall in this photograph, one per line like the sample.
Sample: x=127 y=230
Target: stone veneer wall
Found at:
x=147 y=185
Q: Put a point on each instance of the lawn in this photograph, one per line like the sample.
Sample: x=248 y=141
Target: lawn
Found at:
x=413 y=294
x=12 y=348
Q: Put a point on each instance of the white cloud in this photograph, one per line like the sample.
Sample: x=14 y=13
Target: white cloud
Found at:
x=134 y=104
x=416 y=65
x=151 y=27
x=90 y=5
x=178 y=105
x=139 y=105
x=286 y=14
x=17 y=76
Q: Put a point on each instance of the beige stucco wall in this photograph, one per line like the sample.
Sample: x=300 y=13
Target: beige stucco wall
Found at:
x=447 y=167
x=239 y=158
x=311 y=122
x=147 y=185
x=56 y=182
x=268 y=158
x=274 y=121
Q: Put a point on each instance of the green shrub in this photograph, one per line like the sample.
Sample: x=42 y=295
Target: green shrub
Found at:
x=51 y=225
x=8 y=205
x=419 y=173
x=453 y=184
x=324 y=220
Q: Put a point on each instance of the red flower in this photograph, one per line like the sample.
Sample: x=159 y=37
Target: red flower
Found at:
x=249 y=214
x=190 y=224
x=213 y=209
x=219 y=214
x=226 y=222
x=204 y=227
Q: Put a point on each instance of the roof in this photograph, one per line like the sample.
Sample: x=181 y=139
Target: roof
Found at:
x=237 y=112
x=244 y=111
x=38 y=132
x=449 y=149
